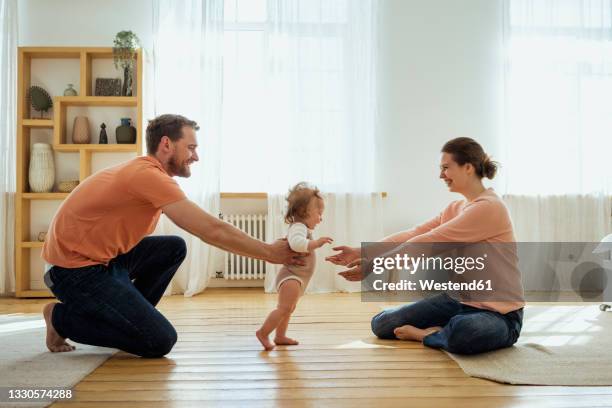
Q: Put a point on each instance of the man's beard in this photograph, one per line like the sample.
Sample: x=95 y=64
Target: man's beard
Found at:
x=181 y=170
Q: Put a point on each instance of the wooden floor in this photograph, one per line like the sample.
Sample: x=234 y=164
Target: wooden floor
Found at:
x=339 y=363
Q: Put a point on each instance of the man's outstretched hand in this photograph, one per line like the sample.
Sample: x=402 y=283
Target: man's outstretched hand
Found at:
x=346 y=256
x=355 y=273
x=281 y=253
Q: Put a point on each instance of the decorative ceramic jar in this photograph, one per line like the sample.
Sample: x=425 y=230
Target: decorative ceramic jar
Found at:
x=42 y=168
x=70 y=91
x=126 y=133
x=80 y=130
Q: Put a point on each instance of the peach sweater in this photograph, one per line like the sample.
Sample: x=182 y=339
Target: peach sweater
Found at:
x=485 y=219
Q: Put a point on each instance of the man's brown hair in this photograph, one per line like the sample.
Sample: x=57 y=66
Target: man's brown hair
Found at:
x=166 y=125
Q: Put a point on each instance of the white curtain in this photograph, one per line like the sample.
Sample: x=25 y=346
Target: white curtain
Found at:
x=555 y=218
x=8 y=114
x=321 y=81
x=557 y=139
x=321 y=84
x=186 y=79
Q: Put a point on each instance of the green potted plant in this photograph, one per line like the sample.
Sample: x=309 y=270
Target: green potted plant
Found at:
x=126 y=44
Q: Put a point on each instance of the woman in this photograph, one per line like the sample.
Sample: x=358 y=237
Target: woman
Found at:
x=442 y=321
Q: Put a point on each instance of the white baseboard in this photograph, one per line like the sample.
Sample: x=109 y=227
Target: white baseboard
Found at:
x=236 y=283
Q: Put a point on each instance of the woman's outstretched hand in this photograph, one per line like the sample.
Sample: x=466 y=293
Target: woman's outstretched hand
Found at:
x=355 y=273
x=346 y=256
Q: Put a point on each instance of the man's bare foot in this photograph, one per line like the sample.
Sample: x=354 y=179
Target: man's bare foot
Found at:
x=264 y=340
x=285 y=341
x=412 y=333
x=55 y=343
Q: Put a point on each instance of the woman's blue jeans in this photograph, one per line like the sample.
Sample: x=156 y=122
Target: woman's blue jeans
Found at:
x=114 y=305
x=465 y=329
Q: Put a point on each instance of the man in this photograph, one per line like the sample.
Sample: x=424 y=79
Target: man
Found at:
x=106 y=272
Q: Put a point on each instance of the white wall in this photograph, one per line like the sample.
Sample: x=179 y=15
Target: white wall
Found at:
x=83 y=23
x=439 y=69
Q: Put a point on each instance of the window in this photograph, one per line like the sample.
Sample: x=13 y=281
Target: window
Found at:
x=243 y=94
x=559 y=97
x=272 y=86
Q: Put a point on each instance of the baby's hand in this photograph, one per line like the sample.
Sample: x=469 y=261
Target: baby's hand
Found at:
x=324 y=240
x=318 y=243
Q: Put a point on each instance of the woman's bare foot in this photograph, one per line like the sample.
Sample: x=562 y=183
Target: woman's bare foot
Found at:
x=55 y=343
x=264 y=340
x=285 y=341
x=412 y=333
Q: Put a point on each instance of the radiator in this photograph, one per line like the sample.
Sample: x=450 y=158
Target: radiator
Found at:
x=242 y=267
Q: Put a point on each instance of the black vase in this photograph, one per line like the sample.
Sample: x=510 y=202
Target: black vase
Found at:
x=126 y=133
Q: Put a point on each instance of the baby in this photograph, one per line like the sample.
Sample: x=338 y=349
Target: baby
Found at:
x=304 y=212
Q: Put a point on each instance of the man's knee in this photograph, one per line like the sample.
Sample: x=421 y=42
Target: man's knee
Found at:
x=161 y=344
x=178 y=245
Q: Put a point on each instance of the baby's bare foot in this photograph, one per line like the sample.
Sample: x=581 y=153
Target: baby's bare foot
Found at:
x=55 y=343
x=409 y=332
x=264 y=340
x=285 y=341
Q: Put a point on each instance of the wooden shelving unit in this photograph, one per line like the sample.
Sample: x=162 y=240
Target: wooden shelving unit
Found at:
x=37 y=123
x=85 y=57
x=44 y=196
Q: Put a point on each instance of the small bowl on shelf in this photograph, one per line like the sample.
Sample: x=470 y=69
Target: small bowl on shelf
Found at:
x=67 y=186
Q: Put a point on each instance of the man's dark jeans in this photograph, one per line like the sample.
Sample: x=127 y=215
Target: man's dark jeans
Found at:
x=114 y=305
x=465 y=329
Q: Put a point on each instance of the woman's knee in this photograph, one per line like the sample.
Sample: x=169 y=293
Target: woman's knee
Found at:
x=457 y=344
x=382 y=327
x=474 y=336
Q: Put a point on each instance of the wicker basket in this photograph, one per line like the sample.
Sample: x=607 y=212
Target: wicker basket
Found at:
x=67 y=186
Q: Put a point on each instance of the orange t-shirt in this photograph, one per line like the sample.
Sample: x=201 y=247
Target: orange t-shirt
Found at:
x=109 y=213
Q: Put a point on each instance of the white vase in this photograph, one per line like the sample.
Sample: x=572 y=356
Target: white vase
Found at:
x=42 y=168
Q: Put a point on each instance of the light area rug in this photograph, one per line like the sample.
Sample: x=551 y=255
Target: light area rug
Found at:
x=26 y=363
x=559 y=345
